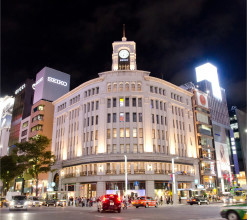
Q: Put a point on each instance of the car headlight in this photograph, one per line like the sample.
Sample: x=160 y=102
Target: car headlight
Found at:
x=26 y=203
x=12 y=203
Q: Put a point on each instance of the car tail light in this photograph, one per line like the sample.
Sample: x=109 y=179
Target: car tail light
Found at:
x=118 y=198
x=193 y=200
x=104 y=199
x=188 y=200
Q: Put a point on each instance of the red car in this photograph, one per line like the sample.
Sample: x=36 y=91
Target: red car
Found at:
x=145 y=201
x=109 y=202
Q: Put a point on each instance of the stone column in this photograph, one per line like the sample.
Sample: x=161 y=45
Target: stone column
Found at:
x=150 y=188
x=101 y=189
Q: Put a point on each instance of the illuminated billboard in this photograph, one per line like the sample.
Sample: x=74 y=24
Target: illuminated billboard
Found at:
x=209 y=72
x=223 y=161
x=50 y=85
x=6 y=110
x=202 y=99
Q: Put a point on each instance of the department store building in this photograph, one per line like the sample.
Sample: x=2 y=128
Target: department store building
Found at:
x=124 y=111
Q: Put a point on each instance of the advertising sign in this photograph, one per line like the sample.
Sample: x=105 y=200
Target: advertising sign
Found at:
x=202 y=99
x=50 y=85
x=223 y=162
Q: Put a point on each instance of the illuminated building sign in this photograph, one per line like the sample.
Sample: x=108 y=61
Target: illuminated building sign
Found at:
x=209 y=72
x=20 y=89
x=57 y=81
x=202 y=99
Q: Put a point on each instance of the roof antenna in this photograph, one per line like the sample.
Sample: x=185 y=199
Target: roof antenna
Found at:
x=124 y=38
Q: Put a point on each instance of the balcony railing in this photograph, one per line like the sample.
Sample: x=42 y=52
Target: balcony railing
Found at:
x=139 y=171
x=69 y=175
x=123 y=171
x=83 y=173
x=158 y=172
x=111 y=172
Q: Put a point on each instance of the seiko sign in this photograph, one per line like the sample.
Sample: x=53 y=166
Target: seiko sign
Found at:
x=21 y=88
x=57 y=81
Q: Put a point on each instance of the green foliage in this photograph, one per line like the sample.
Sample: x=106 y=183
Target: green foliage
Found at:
x=11 y=167
x=35 y=156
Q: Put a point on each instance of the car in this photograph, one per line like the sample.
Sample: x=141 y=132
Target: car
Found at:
x=34 y=201
x=3 y=202
x=18 y=202
x=234 y=212
x=145 y=201
x=51 y=202
x=198 y=200
x=109 y=202
x=61 y=203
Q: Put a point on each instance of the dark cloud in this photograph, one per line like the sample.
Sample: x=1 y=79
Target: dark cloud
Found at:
x=172 y=37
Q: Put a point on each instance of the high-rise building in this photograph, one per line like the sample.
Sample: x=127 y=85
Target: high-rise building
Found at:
x=207 y=81
x=238 y=122
x=6 y=110
x=204 y=139
x=50 y=84
x=22 y=109
x=124 y=112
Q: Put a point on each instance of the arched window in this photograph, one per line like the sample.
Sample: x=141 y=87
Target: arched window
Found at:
x=139 y=87
x=133 y=87
x=127 y=86
x=120 y=87
x=109 y=87
x=115 y=87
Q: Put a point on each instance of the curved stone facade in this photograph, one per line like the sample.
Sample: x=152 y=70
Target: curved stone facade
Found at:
x=124 y=112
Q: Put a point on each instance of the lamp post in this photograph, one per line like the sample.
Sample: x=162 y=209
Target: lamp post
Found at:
x=125 y=166
x=174 y=191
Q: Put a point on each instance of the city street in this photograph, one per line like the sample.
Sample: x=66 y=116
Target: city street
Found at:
x=187 y=212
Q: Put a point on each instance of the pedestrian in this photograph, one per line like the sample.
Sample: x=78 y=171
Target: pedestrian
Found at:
x=179 y=200
x=161 y=200
x=168 y=200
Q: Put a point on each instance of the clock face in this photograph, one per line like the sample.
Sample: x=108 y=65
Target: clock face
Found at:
x=124 y=53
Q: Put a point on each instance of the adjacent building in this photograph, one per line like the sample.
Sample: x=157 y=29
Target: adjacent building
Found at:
x=6 y=110
x=22 y=109
x=50 y=84
x=239 y=126
x=124 y=111
x=204 y=139
x=208 y=82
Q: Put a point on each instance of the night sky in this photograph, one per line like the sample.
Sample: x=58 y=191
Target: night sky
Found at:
x=172 y=38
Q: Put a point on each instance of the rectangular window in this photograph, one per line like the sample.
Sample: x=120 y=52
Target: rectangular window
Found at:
x=108 y=103
x=108 y=133
x=141 y=148
x=114 y=133
x=88 y=107
x=108 y=118
x=163 y=135
x=122 y=148
x=153 y=133
x=97 y=119
x=140 y=117
x=23 y=133
x=133 y=102
x=152 y=103
x=127 y=117
x=121 y=102
x=127 y=148
x=165 y=121
x=161 y=120
x=151 y=89
x=134 y=117
x=121 y=132
x=127 y=132
x=92 y=105
x=139 y=102
x=114 y=148
x=135 y=148
x=92 y=120
x=108 y=148
x=161 y=106
x=158 y=134
x=157 y=119
x=134 y=132
x=127 y=102
x=121 y=117
x=114 y=100
x=97 y=105
x=153 y=118
x=92 y=135
x=140 y=133
x=96 y=135
x=114 y=118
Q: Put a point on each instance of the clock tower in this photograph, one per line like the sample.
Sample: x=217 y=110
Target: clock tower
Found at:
x=124 y=54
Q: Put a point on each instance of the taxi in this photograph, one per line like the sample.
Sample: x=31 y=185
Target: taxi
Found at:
x=234 y=212
x=145 y=201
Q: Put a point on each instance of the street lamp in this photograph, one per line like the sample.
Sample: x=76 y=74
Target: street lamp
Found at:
x=125 y=166
x=174 y=193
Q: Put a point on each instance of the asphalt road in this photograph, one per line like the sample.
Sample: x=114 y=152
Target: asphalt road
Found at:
x=187 y=212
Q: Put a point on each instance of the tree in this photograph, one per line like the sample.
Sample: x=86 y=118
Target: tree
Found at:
x=38 y=158
x=11 y=167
